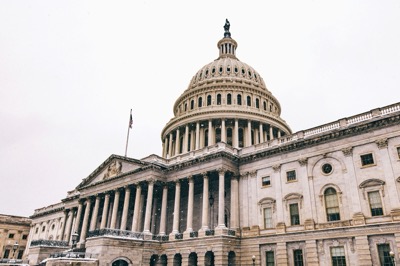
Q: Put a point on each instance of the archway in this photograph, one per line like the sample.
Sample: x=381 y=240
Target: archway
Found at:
x=231 y=258
x=177 y=260
x=192 y=259
x=120 y=263
x=209 y=259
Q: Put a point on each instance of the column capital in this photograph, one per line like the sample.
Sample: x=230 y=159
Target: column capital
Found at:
x=347 y=151
x=221 y=170
x=277 y=168
x=303 y=161
x=204 y=174
x=382 y=143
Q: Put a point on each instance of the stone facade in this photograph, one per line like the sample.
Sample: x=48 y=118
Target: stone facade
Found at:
x=234 y=186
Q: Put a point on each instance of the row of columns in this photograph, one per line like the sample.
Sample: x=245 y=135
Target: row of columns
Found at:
x=75 y=214
x=251 y=135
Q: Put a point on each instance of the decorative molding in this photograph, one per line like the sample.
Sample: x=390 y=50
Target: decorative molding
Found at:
x=347 y=151
x=382 y=143
x=303 y=161
x=277 y=168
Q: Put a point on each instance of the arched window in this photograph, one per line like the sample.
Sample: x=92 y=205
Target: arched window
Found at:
x=248 y=101
x=218 y=99
x=185 y=107
x=181 y=144
x=241 y=139
x=229 y=133
x=229 y=99
x=206 y=137
x=231 y=258
x=331 y=205
x=192 y=259
x=257 y=103
x=217 y=135
x=208 y=100
x=177 y=260
x=239 y=99
x=191 y=104
x=120 y=263
x=200 y=102
x=265 y=105
x=209 y=258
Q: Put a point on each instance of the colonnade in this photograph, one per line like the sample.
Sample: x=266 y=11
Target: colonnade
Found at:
x=87 y=217
x=235 y=132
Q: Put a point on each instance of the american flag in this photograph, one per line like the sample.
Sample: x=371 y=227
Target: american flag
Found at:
x=130 y=120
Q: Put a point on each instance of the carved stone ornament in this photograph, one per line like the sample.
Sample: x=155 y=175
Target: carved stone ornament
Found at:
x=382 y=143
x=303 y=161
x=347 y=151
x=276 y=168
x=113 y=169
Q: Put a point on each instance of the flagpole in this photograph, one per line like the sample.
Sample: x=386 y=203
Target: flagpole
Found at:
x=127 y=135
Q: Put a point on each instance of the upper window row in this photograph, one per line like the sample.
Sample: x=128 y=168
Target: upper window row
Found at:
x=228 y=70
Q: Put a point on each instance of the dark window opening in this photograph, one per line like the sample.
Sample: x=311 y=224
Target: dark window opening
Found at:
x=191 y=104
x=248 y=101
x=257 y=103
x=367 y=159
x=218 y=99
x=298 y=257
x=266 y=181
x=208 y=100
x=239 y=99
x=291 y=175
x=200 y=102
x=294 y=214
x=269 y=258
x=229 y=99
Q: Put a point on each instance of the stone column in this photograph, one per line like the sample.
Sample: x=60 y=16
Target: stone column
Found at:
x=261 y=132
x=64 y=221
x=186 y=140
x=135 y=220
x=94 y=214
x=69 y=226
x=189 y=223
x=165 y=152
x=278 y=193
x=307 y=206
x=77 y=220
x=164 y=210
x=363 y=251
x=281 y=254
x=236 y=134
x=104 y=215
x=177 y=142
x=124 y=218
x=210 y=140
x=175 y=226
x=115 y=210
x=170 y=136
x=204 y=217
x=85 y=222
x=248 y=133
x=311 y=253
x=234 y=202
x=223 y=131
x=221 y=199
x=197 y=135
x=149 y=204
x=271 y=132
x=279 y=134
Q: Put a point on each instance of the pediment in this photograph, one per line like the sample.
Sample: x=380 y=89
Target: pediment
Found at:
x=113 y=167
x=372 y=183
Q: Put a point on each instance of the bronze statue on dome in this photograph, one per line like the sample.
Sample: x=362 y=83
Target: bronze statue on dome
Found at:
x=227 y=25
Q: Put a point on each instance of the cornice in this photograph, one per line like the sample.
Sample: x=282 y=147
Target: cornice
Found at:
x=46 y=212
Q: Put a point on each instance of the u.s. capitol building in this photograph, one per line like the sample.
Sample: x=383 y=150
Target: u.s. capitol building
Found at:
x=235 y=186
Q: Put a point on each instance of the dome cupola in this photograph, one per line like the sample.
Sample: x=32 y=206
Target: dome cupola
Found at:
x=226 y=101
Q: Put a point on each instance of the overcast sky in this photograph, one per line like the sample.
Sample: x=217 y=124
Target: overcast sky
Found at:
x=70 y=71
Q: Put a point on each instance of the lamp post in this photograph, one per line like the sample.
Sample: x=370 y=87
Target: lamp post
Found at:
x=15 y=248
x=74 y=239
x=254 y=260
x=391 y=254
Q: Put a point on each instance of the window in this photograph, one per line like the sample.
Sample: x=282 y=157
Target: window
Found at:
x=267 y=217
x=200 y=102
x=375 y=203
x=24 y=237
x=338 y=256
x=229 y=99
x=265 y=106
x=185 y=107
x=266 y=181
x=10 y=235
x=367 y=159
x=208 y=100
x=294 y=214
x=248 y=101
x=191 y=104
x=219 y=99
x=37 y=230
x=257 y=103
x=332 y=205
x=384 y=255
x=298 y=257
x=20 y=254
x=6 y=253
x=398 y=152
x=53 y=226
x=291 y=175
x=239 y=99
x=269 y=258
x=327 y=168
x=43 y=228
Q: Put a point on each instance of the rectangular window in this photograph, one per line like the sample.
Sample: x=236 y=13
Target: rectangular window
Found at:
x=298 y=257
x=291 y=176
x=367 y=159
x=24 y=237
x=375 y=203
x=266 y=181
x=269 y=258
x=338 y=256
x=267 y=217
x=20 y=254
x=384 y=255
x=294 y=214
x=11 y=236
x=6 y=253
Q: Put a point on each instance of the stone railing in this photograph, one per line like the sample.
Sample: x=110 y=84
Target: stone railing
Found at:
x=194 y=234
x=210 y=232
x=49 y=243
x=71 y=254
x=160 y=238
x=115 y=232
x=179 y=236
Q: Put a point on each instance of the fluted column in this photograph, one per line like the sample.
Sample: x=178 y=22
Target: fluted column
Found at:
x=69 y=226
x=85 y=222
x=279 y=134
x=223 y=131
x=124 y=218
x=197 y=135
x=177 y=142
x=149 y=204
x=261 y=133
x=170 y=145
x=135 y=220
x=185 y=143
x=104 y=215
x=64 y=222
x=210 y=138
x=221 y=199
x=236 y=134
x=271 y=132
x=175 y=226
x=77 y=219
x=204 y=217
x=248 y=133
x=95 y=214
x=115 y=209
x=234 y=202
x=165 y=152
x=164 y=210
x=189 y=223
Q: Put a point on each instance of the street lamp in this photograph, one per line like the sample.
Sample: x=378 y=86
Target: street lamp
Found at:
x=74 y=239
x=391 y=254
x=15 y=247
x=254 y=260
